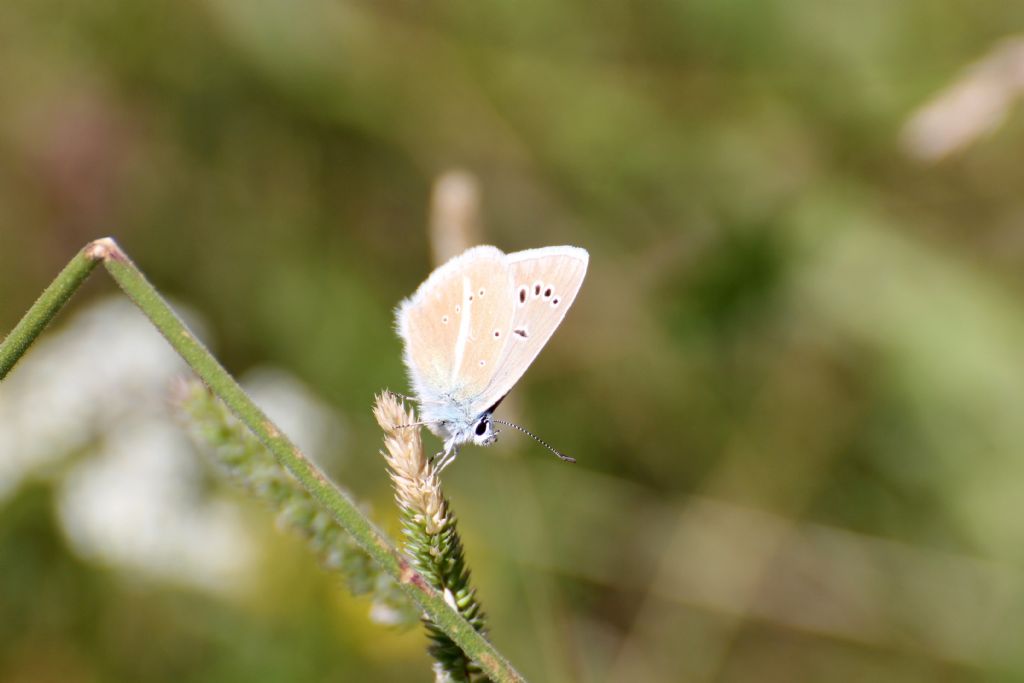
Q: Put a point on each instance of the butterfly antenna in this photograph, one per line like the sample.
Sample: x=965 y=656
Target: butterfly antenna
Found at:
x=536 y=438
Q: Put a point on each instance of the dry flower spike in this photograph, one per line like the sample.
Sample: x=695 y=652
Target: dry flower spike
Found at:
x=431 y=538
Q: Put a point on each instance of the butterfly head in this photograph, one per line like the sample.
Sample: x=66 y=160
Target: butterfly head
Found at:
x=484 y=433
x=479 y=431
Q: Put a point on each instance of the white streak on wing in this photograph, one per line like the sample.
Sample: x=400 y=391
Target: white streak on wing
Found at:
x=463 y=339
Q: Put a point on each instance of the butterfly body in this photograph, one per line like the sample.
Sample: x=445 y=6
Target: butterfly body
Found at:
x=475 y=325
x=457 y=421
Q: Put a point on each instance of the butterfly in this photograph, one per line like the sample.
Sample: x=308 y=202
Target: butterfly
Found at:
x=472 y=329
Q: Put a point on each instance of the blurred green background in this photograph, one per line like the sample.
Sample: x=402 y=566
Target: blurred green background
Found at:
x=792 y=379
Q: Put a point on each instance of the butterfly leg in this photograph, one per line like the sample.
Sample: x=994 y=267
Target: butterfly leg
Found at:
x=447 y=458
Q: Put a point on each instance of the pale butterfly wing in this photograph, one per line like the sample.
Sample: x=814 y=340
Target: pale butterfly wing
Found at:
x=486 y=317
x=449 y=325
x=545 y=283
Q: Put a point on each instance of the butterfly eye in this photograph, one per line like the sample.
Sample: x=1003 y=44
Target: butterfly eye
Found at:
x=481 y=427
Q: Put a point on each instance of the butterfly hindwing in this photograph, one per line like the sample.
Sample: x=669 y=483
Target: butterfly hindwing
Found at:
x=487 y=318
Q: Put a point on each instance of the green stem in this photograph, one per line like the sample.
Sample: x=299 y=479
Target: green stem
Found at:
x=135 y=285
x=15 y=344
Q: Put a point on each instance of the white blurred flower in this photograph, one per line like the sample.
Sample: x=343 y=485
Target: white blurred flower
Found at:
x=98 y=385
x=104 y=366
x=136 y=505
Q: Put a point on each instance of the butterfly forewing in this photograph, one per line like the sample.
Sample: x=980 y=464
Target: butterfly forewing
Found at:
x=487 y=318
x=544 y=284
x=448 y=325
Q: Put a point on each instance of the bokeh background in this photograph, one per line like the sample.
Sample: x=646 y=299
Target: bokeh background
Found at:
x=793 y=378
